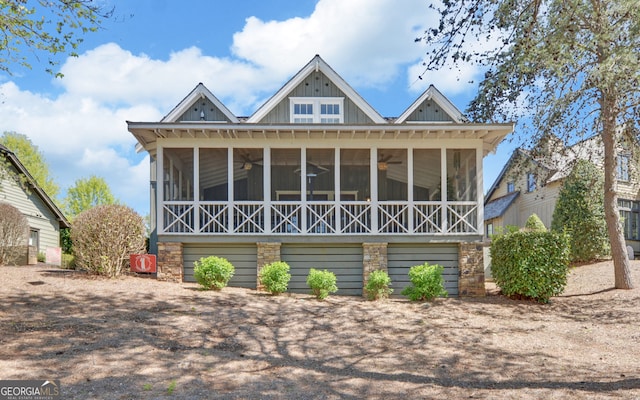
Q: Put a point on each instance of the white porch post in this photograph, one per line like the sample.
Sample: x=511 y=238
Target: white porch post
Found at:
x=443 y=189
x=337 y=190
x=410 y=189
x=196 y=189
x=230 y=190
x=266 y=196
x=160 y=190
x=373 y=172
x=479 y=190
x=303 y=189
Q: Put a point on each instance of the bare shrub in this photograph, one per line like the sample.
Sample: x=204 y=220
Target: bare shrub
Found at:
x=13 y=234
x=104 y=237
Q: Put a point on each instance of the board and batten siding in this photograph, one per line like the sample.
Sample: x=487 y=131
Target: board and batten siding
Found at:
x=243 y=257
x=316 y=85
x=401 y=257
x=343 y=260
x=38 y=215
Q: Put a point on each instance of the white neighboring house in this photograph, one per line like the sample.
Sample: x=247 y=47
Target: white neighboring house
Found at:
x=44 y=218
x=528 y=185
x=317 y=178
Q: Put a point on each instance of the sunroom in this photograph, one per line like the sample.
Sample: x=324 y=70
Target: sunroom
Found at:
x=346 y=189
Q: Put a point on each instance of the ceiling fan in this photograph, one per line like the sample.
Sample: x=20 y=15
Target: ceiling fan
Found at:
x=247 y=162
x=384 y=161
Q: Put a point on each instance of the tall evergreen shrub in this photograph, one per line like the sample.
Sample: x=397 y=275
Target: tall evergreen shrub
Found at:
x=580 y=212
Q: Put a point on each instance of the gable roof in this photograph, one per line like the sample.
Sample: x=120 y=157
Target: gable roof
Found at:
x=496 y=208
x=15 y=162
x=199 y=92
x=436 y=96
x=316 y=64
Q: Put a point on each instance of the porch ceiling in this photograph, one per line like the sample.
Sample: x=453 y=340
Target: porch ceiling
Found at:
x=148 y=133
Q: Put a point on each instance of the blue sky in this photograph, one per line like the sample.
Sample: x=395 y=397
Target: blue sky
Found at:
x=154 y=52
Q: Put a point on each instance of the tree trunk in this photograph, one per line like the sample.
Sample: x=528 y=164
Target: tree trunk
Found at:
x=612 y=215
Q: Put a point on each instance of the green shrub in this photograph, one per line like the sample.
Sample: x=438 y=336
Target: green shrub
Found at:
x=275 y=277
x=427 y=282
x=530 y=264
x=321 y=283
x=377 y=286
x=105 y=236
x=534 y=223
x=68 y=261
x=42 y=257
x=579 y=211
x=213 y=272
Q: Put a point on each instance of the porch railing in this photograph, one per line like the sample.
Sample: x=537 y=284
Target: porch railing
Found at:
x=320 y=218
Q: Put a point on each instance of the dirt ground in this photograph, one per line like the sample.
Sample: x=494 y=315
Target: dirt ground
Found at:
x=136 y=338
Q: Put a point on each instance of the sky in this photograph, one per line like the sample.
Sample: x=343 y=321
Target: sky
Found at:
x=151 y=53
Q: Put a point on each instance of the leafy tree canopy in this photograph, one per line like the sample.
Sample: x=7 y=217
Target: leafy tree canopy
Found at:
x=33 y=160
x=569 y=68
x=52 y=27
x=86 y=194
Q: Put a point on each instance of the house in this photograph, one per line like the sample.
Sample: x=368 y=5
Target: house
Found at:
x=318 y=178
x=530 y=183
x=43 y=216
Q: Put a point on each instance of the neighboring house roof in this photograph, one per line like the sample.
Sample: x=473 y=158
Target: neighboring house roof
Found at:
x=316 y=64
x=496 y=208
x=32 y=185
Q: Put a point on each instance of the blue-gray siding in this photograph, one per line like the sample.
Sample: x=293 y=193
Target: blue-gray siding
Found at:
x=429 y=111
x=343 y=260
x=401 y=257
x=317 y=84
x=211 y=112
x=243 y=257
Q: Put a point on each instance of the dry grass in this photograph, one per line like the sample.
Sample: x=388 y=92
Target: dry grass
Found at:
x=135 y=338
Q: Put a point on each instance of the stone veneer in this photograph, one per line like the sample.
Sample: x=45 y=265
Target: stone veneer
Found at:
x=471 y=270
x=374 y=257
x=170 y=262
x=268 y=252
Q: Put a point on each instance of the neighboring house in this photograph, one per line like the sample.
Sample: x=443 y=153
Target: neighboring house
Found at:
x=317 y=178
x=44 y=218
x=531 y=185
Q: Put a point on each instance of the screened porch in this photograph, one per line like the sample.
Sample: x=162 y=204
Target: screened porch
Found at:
x=319 y=191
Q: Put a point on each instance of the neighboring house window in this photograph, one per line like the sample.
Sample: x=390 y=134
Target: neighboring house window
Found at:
x=317 y=110
x=622 y=172
x=489 y=230
x=630 y=215
x=531 y=182
x=511 y=187
x=34 y=238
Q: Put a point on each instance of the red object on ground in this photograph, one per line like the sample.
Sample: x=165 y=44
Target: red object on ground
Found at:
x=145 y=263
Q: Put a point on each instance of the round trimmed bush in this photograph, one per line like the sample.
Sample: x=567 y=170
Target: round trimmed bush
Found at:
x=321 y=283
x=427 y=282
x=275 y=277
x=105 y=236
x=213 y=272
x=377 y=286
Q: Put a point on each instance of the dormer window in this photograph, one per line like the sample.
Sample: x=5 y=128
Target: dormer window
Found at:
x=317 y=110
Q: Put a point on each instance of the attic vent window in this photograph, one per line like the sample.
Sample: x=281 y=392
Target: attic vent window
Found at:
x=317 y=110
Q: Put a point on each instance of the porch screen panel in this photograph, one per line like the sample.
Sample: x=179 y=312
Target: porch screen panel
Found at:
x=285 y=174
x=248 y=177
x=320 y=174
x=461 y=175
x=392 y=174
x=426 y=175
x=178 y=174
x=214 y=185
x=355 y=175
